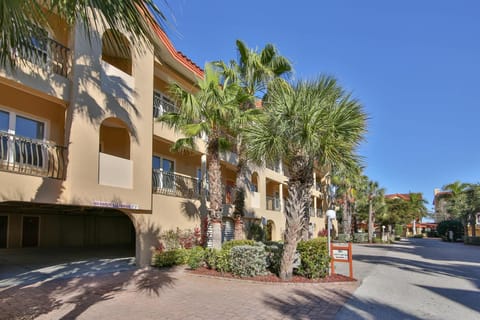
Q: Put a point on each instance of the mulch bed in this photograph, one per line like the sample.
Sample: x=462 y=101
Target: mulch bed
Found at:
x=272 y=277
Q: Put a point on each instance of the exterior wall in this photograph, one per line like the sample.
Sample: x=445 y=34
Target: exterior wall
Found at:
x=96 y=97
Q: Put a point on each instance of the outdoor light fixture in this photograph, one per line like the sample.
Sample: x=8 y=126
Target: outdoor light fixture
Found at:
x=331 y=215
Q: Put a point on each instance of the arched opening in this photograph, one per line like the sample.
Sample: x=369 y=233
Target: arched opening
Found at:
x=270 y=231
x=116 y=50
x=115 y=138
x=254 y=180
x=51 y=233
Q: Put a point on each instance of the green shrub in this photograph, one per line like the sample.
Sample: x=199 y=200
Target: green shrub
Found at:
x=248 y=261
x=343 y=237
x=210 y=257
x=314 y=258
x=170 y=258
x=418 y=236
x=222 y=261
x=398 y=230
x=472 y=240
x=397 y=238
x=360 y=237
x=274 y=251
x=454 y=225
x=235 y=243
x=255 y=231
x=196 y=257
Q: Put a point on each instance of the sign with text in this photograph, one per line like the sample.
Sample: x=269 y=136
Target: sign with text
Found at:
x=341 y=252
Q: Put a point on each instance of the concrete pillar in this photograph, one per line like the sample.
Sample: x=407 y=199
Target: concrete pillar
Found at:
x=280 y=193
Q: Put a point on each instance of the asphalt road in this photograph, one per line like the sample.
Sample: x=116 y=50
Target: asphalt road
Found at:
x=415 y=279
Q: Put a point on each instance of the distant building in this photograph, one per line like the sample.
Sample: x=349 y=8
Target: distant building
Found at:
x=440 y=205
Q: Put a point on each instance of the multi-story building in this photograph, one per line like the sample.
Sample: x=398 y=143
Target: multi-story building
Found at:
x=83 y=163
x=440 y=205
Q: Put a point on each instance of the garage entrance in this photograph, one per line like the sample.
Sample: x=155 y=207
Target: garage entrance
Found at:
x=100 y=231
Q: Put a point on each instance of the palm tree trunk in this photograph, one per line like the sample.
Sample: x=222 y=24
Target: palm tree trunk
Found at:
x=299 y=186
x=239 y=201
x=293 y=228
x=215 y=179
x=370 y=221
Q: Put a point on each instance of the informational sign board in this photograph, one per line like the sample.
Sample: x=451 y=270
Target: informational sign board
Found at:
x=341 y=252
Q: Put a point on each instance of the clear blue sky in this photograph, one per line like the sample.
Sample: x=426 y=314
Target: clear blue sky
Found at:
x=414 y=65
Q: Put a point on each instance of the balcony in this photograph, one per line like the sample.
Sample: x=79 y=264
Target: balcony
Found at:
x=174 y=184
x=50 y=55
x=31 y=157
x=162 y=104
x=273 y=203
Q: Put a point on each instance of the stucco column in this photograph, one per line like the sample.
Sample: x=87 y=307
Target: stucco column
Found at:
x=315 y=205
x=280 y=193
x=314 y=180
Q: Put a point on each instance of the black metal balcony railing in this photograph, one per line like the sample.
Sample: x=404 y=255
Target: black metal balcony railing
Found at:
x=48 y=54
x=273 y=203
x=31 y=157
x=162 y=104
x=173 y=184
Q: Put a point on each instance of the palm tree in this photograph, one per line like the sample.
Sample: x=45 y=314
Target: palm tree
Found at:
x=417 y=207
x=302 y=123
x=206 y=113
x=19 y=20
x=464 y=202
x=253 y=72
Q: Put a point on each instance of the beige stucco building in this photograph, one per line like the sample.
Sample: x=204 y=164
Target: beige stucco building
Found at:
x=83 y=163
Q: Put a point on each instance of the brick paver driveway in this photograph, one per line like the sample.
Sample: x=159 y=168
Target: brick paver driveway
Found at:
x=83 y=292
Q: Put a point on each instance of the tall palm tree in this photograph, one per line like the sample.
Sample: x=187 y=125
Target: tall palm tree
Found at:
x=206 y=113
x=19 y=19
x=302 y=123
x=253 y=72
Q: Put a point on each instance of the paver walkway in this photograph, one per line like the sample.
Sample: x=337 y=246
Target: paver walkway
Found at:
x=163 y=294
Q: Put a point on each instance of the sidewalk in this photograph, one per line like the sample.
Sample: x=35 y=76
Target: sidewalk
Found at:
x=169 y=294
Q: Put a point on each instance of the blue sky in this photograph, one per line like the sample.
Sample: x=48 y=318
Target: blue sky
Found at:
x=413 y=64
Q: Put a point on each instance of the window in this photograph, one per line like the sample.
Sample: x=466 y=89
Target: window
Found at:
x=21 y=139
x=162 y=104
x=163 y=173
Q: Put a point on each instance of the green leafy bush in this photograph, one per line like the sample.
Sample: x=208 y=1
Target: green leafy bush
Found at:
x=235 y=243
x=314 y=258
x=170 y=258
x=196 y=257
x=210 y=258
x=222 y=261
x=454 y=225
x=472 y=240
x=248 y=261
x=360 y=237
x=418 y=236
x=343 y=237
x=274 y=251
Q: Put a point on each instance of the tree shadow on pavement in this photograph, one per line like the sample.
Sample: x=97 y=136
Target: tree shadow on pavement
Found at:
x=468 y=272
x=61 y=296
x=357 y=308
x=468 y=298
x=305 y=305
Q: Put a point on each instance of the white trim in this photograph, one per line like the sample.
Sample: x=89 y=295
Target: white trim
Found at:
x=13 y=113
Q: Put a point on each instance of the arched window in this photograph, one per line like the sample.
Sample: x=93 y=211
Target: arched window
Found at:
x=115 y=138
x=116 y=51
x=254 y=186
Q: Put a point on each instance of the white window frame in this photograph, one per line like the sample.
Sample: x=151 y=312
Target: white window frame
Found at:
x=160 y=182
x=12 y=118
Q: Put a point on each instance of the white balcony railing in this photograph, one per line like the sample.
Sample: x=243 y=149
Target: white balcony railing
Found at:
x=109 y=168
x=31 y=156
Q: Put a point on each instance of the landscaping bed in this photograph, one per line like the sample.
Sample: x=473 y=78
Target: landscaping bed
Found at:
x=271 y=277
